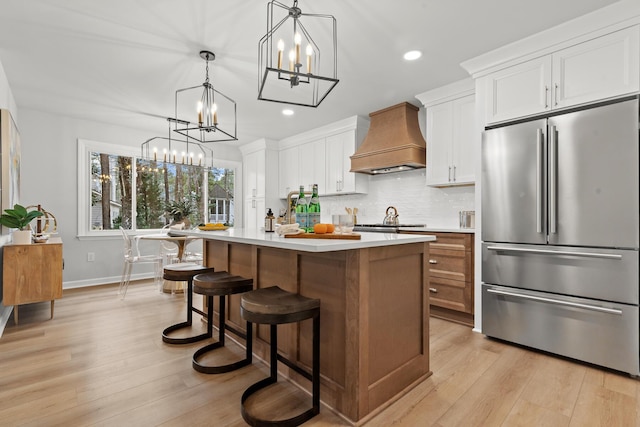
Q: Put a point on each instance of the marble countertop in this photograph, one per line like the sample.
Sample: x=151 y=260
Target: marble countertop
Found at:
x=261 y=238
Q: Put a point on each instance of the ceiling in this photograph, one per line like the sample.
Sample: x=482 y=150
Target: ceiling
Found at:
x=121 y=61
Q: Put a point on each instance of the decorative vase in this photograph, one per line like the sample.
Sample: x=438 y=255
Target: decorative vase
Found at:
x=21 y=237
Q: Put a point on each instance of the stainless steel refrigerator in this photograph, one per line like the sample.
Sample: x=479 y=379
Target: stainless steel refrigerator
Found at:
x=560 y=232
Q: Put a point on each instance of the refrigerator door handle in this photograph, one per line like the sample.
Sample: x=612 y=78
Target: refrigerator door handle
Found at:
x=539 y=172
x=558 y=302
x=548 y=252
x=553 y=180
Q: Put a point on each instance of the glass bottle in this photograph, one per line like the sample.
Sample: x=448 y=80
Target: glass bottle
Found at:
x=302 y=210
x=314 y=208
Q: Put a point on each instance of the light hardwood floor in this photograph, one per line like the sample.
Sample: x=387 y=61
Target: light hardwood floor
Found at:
x=101 y=361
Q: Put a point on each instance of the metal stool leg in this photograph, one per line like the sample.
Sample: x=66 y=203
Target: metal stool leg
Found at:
x=222 y=327
x=187 y=340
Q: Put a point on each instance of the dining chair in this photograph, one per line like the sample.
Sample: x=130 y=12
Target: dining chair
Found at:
x=132 y=256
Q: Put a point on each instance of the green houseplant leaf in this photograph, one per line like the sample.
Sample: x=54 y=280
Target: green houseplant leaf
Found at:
x=18 y=217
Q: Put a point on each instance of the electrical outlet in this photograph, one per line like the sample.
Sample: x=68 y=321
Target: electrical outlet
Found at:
x=91 y=256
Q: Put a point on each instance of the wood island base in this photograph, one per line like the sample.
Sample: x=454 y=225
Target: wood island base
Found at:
x=374 y=318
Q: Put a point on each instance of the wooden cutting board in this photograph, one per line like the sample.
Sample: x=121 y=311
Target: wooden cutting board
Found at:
x=353 y=236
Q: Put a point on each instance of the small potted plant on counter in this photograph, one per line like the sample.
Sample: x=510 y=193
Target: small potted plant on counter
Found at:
x=19 y=218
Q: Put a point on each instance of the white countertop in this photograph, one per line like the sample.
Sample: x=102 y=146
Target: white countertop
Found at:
x=438 y=229
x=260 y=238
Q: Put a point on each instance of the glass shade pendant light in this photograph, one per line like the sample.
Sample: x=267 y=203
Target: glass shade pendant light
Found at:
x=291 y=69
x=204 y=114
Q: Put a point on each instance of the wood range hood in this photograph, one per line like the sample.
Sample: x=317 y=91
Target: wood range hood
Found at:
x=394 y=142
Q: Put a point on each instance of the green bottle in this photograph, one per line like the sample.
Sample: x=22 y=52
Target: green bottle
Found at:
x=302 y=210
x=314 y=208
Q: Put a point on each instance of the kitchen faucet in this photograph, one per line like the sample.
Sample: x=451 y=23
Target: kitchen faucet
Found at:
x=292 y=193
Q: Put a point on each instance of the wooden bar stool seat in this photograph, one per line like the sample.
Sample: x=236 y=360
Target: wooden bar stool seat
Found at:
x=274 y=306
x=221 y=284
x=184 y=272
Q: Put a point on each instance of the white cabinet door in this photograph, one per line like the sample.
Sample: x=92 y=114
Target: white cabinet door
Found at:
x=338 y=149
x=254 y=212
x=311 y=161
x=288 y=179
x=450 y=139
x=519 y=91
x=463 y=150
x=598 y=69
x=439 y=142
x=254 y=174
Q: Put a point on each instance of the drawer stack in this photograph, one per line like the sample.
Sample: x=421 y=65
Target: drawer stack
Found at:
x=450 y=275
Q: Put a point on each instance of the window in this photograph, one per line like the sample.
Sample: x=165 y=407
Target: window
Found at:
x=119 y=188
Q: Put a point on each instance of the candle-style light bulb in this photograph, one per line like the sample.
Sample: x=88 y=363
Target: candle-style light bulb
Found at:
x=292 y=58
x=280 y=52
x=164 y=151
x=183 y=157
x=200 y=113
x=155 y=154
x=200 y=159
x=174 y=155
x=190 y=158
x=297 y=39
x=214 y=107
x=309 y=53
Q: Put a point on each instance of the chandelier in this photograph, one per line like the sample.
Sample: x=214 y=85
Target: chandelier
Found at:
x=287 y=73
x=210 y=116
x=175 y=151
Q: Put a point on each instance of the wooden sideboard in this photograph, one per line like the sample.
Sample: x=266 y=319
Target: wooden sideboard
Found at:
x=32 y=273
x=451 y=276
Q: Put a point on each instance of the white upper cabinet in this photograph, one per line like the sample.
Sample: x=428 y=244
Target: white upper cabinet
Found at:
x=311 y=161
x=322 y=156
x=451 y=134
x=519 y=91
x=600 y=68
x=288 y=172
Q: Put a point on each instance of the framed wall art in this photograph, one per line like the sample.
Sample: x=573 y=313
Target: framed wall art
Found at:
x=9 y=163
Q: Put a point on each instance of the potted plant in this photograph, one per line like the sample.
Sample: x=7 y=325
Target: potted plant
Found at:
x=180 y=210
x=20 y=218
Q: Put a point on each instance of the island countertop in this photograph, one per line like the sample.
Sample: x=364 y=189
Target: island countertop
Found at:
x=273 y=240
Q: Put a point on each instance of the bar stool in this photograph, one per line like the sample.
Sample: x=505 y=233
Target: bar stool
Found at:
x=275 y=306
x=221 y=284
x=180 y=272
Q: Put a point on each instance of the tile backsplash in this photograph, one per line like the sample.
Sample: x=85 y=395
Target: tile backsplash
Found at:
x=408 y=192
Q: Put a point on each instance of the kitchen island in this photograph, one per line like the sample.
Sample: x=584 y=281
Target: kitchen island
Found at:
x=374 y=309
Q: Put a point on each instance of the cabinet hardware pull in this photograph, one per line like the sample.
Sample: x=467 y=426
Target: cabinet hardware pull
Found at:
x=548 y=252
x=556 y=94
x=449 y=173
x=433 y=261
x=434 y=290
x=253 y=203
x=556 y=301
x=546 y=97
x=454 y=173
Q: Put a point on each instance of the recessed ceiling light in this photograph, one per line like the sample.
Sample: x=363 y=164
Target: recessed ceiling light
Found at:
x=287 y=112
x=412 y=55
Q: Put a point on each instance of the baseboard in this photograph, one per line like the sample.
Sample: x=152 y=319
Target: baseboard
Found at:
x=5 y=312
x=102 y=281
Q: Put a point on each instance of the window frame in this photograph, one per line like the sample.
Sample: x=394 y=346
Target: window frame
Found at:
x=86 y=147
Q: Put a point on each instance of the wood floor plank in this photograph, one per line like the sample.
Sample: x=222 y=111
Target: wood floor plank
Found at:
x=101 y=361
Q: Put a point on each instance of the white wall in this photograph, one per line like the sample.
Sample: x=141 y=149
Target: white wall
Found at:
x=49 y=177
